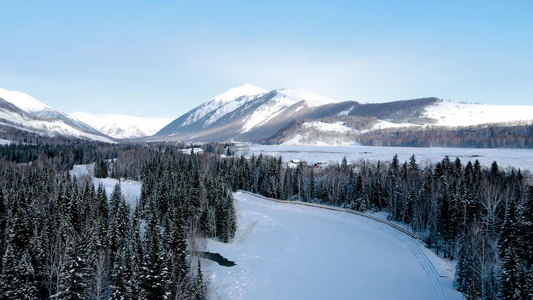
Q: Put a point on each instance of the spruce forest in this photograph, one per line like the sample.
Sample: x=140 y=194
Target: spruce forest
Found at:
x=63 y=238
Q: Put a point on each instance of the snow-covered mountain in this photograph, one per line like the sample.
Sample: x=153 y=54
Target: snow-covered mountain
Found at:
x=23 y=112
x=250 y=113
x=121 y=126
x=244 y=113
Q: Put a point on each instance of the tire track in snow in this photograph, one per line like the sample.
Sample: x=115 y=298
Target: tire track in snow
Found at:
x=420 y=256
x=406 y=237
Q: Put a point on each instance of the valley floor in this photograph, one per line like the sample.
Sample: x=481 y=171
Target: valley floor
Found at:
x=284 y=251
x=506 y=158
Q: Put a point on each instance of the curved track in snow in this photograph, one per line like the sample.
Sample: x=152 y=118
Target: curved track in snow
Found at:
x=405 y=236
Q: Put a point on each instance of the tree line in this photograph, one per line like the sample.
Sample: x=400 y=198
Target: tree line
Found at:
x=480 y=136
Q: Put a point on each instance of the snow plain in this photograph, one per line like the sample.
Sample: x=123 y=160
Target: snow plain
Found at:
x=130 y=189
x=287 y=251
x=506 y=158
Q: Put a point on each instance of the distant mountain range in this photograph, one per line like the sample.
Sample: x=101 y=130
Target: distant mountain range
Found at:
x=121 y=126
x=20 y=112
x=252 y=114
x=249 y=113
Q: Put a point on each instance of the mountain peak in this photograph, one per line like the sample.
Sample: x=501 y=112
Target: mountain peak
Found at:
x=23 y=101
x=244 y=90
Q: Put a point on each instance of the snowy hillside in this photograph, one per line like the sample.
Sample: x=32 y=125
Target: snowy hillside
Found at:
x=224 y=103
x=279 y=103
x=24 y=101
x=121 y=126
x=286 y=251
x=320 y=133
x=36 y=108
x=242 y=112
x=467 y=114
x=12 y=117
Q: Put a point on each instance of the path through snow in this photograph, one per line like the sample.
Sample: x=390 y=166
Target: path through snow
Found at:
x=286 y=251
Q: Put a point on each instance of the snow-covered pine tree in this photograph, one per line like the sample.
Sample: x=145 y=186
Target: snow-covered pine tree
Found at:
x=17 y=277
x=177 y=244
x=525 y=228
x=72 y=279
x=122 y=287
x=511 y=284
x=154 y=279
x=119 y=227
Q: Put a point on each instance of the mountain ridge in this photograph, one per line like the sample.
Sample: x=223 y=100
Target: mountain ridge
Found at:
x=279 y=115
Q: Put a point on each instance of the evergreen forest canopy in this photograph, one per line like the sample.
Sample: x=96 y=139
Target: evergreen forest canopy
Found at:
x=63 y=239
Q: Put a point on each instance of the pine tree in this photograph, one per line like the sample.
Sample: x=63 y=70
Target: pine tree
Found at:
x=102 y=217
x=154 y=274
x=3 y=223
x=512 y=267
x=17 y=278
x=525 y=228
x=101 y=168
x=122 y=287
x=178 y=250
x=119 y=227
x=73 y=278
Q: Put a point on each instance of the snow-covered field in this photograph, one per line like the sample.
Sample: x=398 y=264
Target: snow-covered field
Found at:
x=287 y=251
x=130 y=189
x=506 y=158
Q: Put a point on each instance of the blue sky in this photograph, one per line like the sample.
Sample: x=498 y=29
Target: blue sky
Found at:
x=163 y=58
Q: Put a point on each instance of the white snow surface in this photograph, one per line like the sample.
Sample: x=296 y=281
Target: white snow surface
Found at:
x=244 y=90
x=381 y=124
x=4 y=142
x=283 y=99
x=506 y=158
x=346 y=112
x=226 y=101
x=287 y=251
x=331 y=127
x=299 y=95
x=130 y=189
x=23 y=101
x=467 y=114
x=324 y=134
x=121 y=126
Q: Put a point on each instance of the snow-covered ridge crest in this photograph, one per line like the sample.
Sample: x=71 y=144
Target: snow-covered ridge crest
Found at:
x=23 y=101
x=248 y=91
x=244 y=90
x=310 y=98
